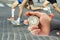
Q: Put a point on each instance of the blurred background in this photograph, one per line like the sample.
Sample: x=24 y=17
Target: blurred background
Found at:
x=13 y=32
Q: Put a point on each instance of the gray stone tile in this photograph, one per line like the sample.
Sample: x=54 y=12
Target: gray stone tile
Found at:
x=22 y=37
x=28 y=36
x=4 y=36
x=11 y=36
x=0 y=36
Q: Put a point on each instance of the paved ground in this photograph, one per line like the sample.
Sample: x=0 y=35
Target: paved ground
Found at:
x=11 y=32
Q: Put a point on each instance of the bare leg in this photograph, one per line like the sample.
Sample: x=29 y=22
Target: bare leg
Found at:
x=45 y=4
x=20 y=13
x=13 y=10
x=35 y=8
x=56 y=7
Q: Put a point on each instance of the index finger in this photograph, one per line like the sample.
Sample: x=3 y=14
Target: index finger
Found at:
x=38 y=14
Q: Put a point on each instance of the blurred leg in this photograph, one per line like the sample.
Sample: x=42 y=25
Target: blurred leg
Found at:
x=56 y=7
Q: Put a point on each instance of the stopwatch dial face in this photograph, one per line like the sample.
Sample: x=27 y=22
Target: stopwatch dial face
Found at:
x=33 y=20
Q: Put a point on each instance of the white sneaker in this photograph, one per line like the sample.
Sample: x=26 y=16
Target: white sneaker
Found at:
x=13 y=22
x=16 y=22
x=47 y=9
x=9 y=19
